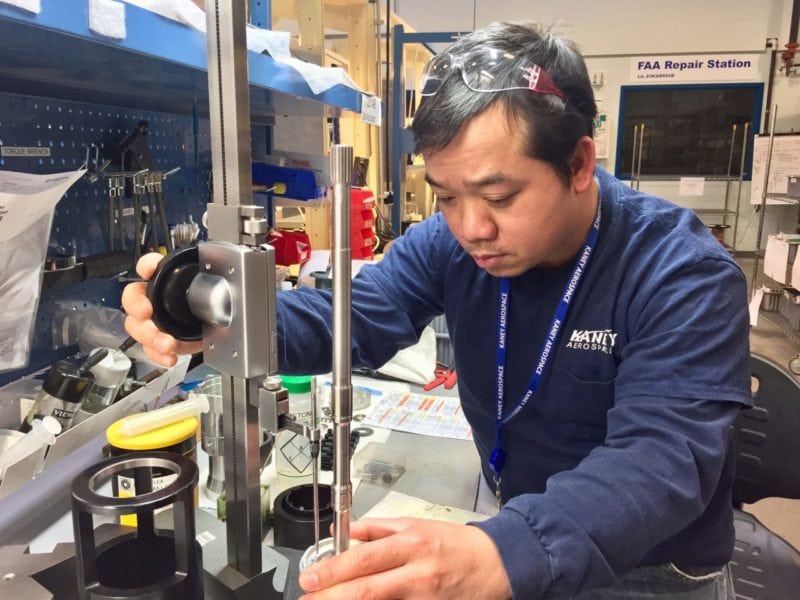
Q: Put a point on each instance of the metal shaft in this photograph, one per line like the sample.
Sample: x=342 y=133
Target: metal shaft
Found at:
x=315 y=465
x=341 y=167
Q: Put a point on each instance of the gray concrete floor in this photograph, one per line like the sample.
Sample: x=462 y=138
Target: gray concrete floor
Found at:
x=774 y=338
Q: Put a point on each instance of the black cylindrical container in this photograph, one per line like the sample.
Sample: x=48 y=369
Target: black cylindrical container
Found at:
x=293 y=516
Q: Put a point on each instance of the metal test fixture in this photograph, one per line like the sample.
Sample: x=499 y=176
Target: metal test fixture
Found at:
x=231 y=302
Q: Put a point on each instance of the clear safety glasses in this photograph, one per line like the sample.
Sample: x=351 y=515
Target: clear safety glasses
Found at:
x=487 y=70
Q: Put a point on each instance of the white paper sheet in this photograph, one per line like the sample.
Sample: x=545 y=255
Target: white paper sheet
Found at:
x=276 y=43
x=692 y=186
x=776 y=258
x=34 y=6
x=795 y=281
x=755 y=304
x=26 y=213
x=438 y=416
x=107 y=17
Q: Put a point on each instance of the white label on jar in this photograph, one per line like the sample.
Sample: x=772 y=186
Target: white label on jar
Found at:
x=127 y=487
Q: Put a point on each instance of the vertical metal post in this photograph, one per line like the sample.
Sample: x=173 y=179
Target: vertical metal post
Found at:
x=398 y=110
x=633 y=155
x=341 y=167
x=641 y=151
x=384 y=89
x=315 y=465
x=764 y=193
x=229 y=119
x=745 y=133
x=728 y=174
x=229 y=108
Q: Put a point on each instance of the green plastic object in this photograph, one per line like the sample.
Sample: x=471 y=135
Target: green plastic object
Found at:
x=297 y=384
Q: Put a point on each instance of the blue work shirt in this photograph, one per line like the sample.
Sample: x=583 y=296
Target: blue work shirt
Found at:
x=623 y=457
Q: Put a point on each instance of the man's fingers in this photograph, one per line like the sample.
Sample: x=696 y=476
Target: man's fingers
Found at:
x=367 y=559
x=147 y=264
x=389 y=584
x=159 y=346
x=159 y=358
x=135 y=302
x=367 y=530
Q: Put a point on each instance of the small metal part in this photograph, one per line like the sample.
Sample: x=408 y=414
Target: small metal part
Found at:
x=209 y=298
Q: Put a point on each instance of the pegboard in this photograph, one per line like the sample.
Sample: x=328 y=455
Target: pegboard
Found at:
x=67 y=129
x=80 y=222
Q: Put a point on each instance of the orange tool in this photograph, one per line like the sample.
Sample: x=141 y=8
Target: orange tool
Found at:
x=442 y=376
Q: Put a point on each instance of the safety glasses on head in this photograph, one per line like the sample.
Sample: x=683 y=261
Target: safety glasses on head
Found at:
x=487 y=70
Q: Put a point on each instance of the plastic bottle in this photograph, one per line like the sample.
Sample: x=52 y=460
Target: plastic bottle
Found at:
x=61 y=395
x=43 y=433
x=109 y=374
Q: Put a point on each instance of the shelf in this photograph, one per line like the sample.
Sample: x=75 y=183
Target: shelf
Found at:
x=160 y=65
x=679 y=177
x=714 y=212
x=786 y=198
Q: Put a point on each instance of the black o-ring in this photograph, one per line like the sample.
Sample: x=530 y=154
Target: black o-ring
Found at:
x=166 y=291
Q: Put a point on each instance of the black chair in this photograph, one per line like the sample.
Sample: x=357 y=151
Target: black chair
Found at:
x=765 y=566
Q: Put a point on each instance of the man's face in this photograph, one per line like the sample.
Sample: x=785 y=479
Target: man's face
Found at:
x=510 y=212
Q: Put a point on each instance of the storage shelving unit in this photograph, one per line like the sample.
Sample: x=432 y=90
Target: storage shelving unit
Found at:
x=729 y=209
x=767 y=196
x=160 y=65
x=64 y=87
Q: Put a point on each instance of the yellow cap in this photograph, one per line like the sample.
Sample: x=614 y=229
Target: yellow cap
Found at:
x=163 y=437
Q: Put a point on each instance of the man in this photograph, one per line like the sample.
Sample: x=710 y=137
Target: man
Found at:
x=600 y=337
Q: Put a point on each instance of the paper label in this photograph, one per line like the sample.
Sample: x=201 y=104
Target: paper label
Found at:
x=691 y=186
x=755 y=304
x=371 y=109
x=24 y=151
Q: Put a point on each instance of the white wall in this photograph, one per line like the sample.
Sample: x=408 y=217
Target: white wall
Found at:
x=611 y=32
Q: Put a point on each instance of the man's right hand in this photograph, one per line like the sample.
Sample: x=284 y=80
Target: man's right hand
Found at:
x=160 y=347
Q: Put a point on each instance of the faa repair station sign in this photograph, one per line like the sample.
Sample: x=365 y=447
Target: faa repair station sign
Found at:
x=694 y=67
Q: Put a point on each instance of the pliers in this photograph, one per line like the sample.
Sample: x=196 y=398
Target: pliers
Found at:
x=442 y=376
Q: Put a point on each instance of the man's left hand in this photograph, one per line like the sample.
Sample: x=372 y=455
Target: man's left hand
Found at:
x=411 y=558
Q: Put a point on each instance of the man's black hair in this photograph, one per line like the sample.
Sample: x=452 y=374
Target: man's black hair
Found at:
x=553 y=126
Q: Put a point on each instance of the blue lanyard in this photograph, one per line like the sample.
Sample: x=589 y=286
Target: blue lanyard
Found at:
x=497 y=460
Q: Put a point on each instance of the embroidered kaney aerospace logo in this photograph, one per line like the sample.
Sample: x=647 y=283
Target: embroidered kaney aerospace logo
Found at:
x=598 y=341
